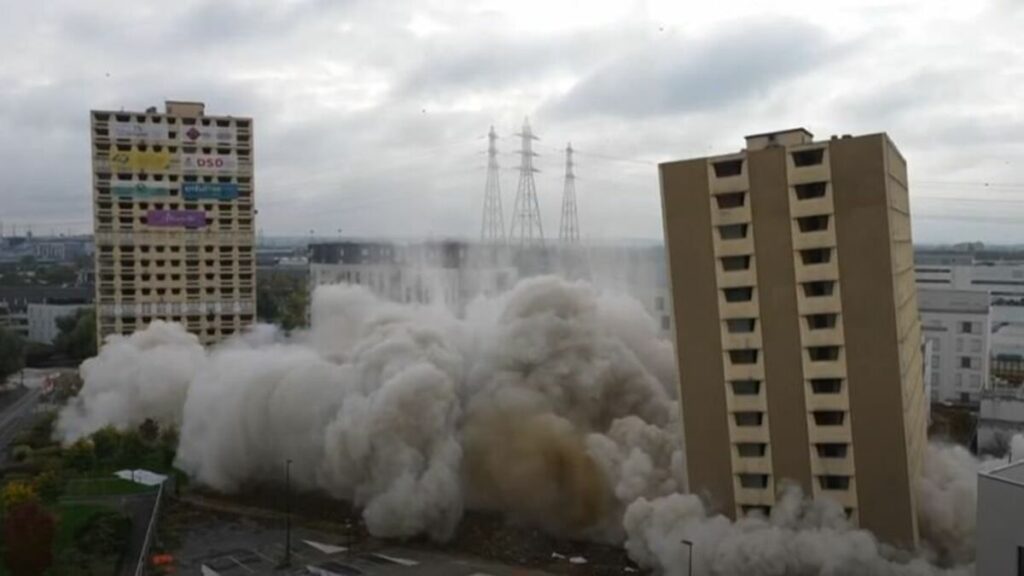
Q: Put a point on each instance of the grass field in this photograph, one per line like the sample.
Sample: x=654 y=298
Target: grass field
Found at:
x=79 y=487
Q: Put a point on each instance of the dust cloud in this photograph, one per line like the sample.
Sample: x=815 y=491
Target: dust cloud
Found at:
x=554 y=403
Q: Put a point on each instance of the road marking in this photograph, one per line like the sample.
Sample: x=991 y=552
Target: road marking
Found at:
x=402 y=561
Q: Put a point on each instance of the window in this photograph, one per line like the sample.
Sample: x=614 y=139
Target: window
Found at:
x=831 y=450
x=728 y=168
x=935 y=361
x=821 y=321
x=732 y=231
x=811 y=157
x=731 y=200
x=829 y=418
x=659 y=303
x=965 y=362
x=756 y=510
x=744 y=294
x=748 y=419
x=819 y=288
x=734 y=263
x=666 y=323
x=813 y=223
x=753 y=480
x=751 y=449
x=740 y=325
x=965 y=327
x=746 y=387
x=834 y=482
x=745 y=356
x=810 y=190
x=815 y=256
x=823 y=353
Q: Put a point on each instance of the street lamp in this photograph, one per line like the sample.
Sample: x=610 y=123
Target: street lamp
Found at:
x=287 y=514
x=689 y=557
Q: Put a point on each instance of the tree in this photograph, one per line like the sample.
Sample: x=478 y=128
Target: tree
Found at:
x=48 y=485
x=12 y=354
x=80 y=456
x=149 y=430
x=17 y=493
x=133 y=449
x=282 y=299
x=107 y=443
x=28 y=539
x=77 y=336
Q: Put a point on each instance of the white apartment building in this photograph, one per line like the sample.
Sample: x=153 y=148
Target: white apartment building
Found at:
x=42 y=320
x=956 y=324
x=1000 y=532
x=446 y=272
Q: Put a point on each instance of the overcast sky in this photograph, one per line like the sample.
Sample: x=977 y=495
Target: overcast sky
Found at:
x=371 y=117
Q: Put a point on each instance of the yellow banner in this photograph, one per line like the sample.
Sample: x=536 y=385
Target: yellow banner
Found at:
x=148 y=160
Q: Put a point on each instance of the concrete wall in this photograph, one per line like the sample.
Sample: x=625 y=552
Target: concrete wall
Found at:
x=1000 y=533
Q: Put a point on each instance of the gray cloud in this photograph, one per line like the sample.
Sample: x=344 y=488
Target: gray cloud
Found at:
x=678 y=75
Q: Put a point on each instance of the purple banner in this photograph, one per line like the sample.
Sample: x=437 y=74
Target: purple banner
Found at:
x=186 y=218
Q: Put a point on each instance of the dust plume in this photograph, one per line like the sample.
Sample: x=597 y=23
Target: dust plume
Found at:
x=554 y=403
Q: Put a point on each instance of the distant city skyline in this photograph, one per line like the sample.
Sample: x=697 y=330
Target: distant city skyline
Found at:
x=374 y=117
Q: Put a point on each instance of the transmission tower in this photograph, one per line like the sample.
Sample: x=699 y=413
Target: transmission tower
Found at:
x=526 y=227
x=569 y=230
x=493 y=229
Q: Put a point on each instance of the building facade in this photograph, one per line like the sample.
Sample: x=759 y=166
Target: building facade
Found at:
x=173 y=196
x=798 y=336
x=451 y=273
x=1000 y=532
x=956 y=323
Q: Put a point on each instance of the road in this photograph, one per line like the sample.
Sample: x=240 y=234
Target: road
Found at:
x=15 y=417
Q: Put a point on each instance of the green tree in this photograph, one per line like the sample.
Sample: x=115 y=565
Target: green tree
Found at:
x=107 y=444
x=28 y=539
x=133 y=449
x=48 y=485
x=80 y=456
x=77 y=336
x=149 y=430
x=282 y=299
x=12 y=354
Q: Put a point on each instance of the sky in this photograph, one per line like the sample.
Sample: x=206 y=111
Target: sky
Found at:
x=371 y=117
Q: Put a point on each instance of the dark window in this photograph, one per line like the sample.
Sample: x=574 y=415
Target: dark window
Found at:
x=831 y=450
x=810 y=190
x=819 y=288
x=751 y=449
x=746 y=387
x=733 y=263
x=732 y=231
x=826 y=385
x=753 y=480
x=823 y=353
x=833 y=482
x=816 y=256
x=728 y=168
x=965 y=327
x=743 y=294
x=740 y=325
x=749 y=418
x=746 y=356
x=821 y=321
x=829 y=418
x=666 y=322
x=965 y=361
x=809 y=157
x=813 y=223
x=731 y=200
x=756 y=510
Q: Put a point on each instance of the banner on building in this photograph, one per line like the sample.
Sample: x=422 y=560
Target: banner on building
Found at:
x=172 y=218
x=138 y=131
x=208 y=135
x=138 y=160
x=215 y=163
x=140 y=189
x=209 y=191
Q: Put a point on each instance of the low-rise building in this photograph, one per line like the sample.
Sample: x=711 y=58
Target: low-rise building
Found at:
x=1000 y=417
x=1000 y=517
x=956 y=323
x=42 y=320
